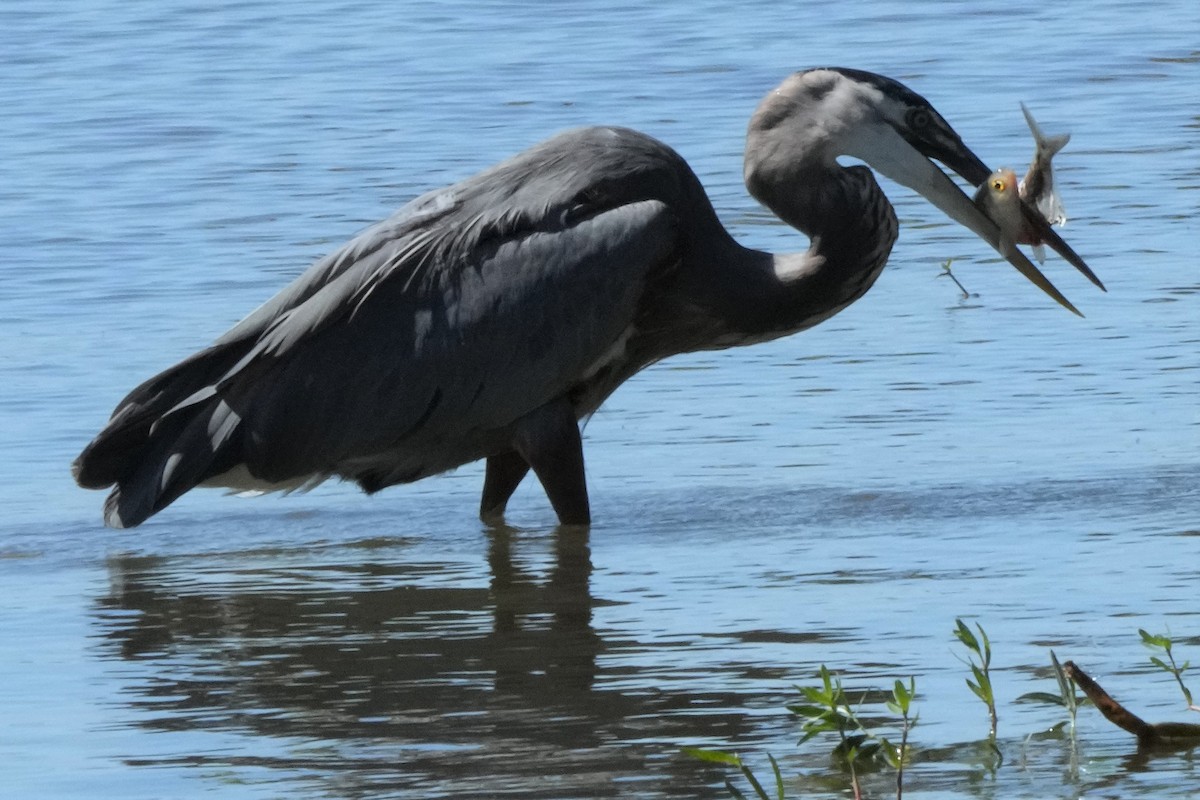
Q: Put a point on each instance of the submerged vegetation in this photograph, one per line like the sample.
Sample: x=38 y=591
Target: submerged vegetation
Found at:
x=827 y=709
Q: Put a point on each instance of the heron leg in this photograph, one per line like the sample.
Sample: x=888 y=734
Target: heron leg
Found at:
x=548 y=439
x=503 y=476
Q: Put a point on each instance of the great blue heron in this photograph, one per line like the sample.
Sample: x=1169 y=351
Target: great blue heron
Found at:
x=486 y=319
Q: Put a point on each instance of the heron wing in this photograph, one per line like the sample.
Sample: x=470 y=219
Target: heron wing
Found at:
x=461 y=311
x=574 y=173
x=120 y=446
x=372 y=247
x=435 y=353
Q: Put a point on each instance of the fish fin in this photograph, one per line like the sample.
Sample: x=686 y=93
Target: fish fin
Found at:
x=1045 y=144
x=1051 y=207
x=1039 y=252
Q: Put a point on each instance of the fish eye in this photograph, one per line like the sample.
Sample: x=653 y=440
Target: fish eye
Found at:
x=999 y=185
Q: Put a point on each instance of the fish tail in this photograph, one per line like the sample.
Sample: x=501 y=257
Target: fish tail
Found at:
x=1046 y=145
x=1052 y=144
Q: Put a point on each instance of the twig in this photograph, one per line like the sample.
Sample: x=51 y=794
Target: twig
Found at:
x=1162 y=733
x=947 y=273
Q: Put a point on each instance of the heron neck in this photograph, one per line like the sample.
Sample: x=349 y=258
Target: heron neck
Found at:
x=852 y=227
x=729 y=295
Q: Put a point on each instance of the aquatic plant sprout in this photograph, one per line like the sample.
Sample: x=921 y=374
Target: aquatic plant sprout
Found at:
x=826 y=708
x=982 y=685
x=1162 y=643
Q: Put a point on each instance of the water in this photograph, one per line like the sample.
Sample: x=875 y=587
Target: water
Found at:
x=836 y=498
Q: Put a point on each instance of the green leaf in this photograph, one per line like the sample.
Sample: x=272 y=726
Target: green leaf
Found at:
x=1042 y=697
x=987 y=645
x=778 y=777
x=714 y=756
x=1158 y=662
x=816 y=696
x=817 y=729
x=758 y=788
x=808 y=734
x=1154 y=640
x=811 y=712
x=734 y=792
x=981 y=686
x=891 y=754
x=965 y=636
x=845 y=713
x=1064 y=683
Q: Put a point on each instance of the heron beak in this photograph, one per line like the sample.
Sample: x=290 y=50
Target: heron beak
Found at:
x=1040 y=232
x=910 y=164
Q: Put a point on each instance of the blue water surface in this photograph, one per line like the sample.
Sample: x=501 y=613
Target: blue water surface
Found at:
x=837 y=498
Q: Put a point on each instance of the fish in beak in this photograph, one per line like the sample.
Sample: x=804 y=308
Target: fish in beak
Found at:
x=1037 y=187
x=1021 y=221
x=908 y=158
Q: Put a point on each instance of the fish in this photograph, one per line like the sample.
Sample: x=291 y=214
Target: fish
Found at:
x=1037 y=187
x=999 y=197
x=1024 y=210
x=1019 y=221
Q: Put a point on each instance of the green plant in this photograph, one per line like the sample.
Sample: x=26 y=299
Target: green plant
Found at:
x=827 y=710
x=1066 y=696
x=733 y=760
x=901 y=703
x=1162 y=643
x=946 y=273
x=982 y=685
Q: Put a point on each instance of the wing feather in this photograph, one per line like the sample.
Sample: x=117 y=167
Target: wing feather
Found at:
x=518 y=326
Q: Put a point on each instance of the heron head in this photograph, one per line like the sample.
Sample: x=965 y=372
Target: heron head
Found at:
x=846 y=112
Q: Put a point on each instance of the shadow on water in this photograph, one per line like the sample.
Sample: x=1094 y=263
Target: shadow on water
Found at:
x=372 y=673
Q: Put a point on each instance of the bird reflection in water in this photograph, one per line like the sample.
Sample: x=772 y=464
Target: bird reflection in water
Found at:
x=393 y=671
x=565 y=651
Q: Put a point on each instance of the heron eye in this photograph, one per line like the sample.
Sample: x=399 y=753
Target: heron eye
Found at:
x=918 y=118
x=999 y=185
